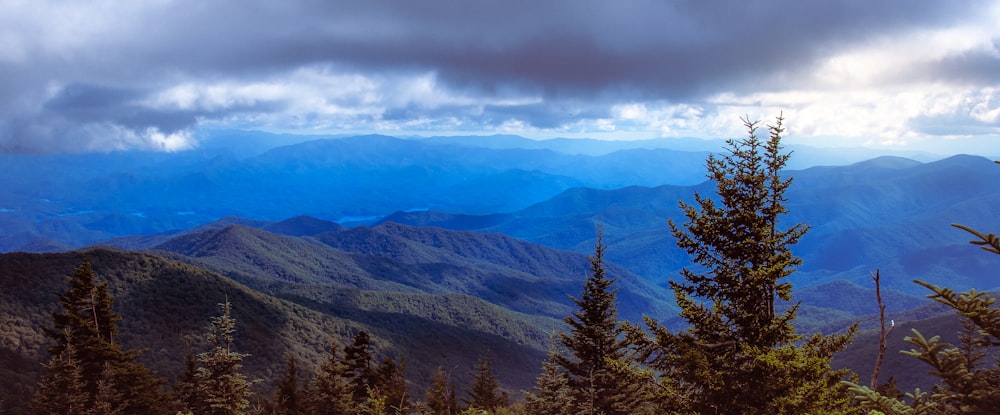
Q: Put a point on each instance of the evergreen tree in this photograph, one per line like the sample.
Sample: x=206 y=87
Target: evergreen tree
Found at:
x=360 y=370
x=440 y=396
x=968 y=373
x=287 y=397
x=390 y=384
x=88 y=319
x=108 y=395
x=552 y=394
x=221 y=388
x=485 y=392
x=62 y=389
x=596 y=339
x=739 y=355
x=185 y=387
x=330 y=392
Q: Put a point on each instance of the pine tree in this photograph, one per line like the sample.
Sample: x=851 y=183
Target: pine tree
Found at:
x=330 y=392
x=62 y=389
x=185 y=387
x=485 y=393
x=287 y=397
x=969 y=373
x=739 y=355
x=88 y=319
x=596 y=338
x=221 y=388
x=390 y=384
x=360 y=371
x=108 y=395
x=552 y=394
x=440 y=396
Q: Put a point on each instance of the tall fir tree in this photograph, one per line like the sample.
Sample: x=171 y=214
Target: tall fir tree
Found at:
x=484 y=393
x=330 y=392
x=360 y=367
x=62 y=389
x=739 y=355
x=552 y=394
x=287 y=396
x=185 y=387
x=221 y=388
x=108 y=395
x=87 y=317
x=440 y=396
x=596 y=338
x=390 y=385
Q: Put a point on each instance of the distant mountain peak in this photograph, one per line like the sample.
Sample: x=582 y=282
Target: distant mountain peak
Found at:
x=888 y=162
x=302 y=226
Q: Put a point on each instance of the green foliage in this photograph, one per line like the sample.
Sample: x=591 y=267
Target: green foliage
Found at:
x=287 y=396
x=595 y=339
x=165 y=296
x=739 y=355
x=185 y=388
x=330 y=392
x=390 y=384
x=375 y=404
x=484 y=393
x=440 y=396
x=552 y=394
x=968 y=373
x=86 y=317
x=221 y=388
x=62 y=389
x=360 y=369
x=112 y=380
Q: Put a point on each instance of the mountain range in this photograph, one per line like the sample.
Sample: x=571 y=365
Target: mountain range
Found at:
x=54 y=202
x=888 y=213
x=446 y=248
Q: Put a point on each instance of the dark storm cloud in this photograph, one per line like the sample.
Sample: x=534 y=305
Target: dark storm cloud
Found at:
x=90 y=103
x=973 y=67
x=108 y=63
x=654 y=48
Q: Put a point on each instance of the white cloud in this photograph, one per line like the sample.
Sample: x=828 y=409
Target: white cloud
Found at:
x=104 y=136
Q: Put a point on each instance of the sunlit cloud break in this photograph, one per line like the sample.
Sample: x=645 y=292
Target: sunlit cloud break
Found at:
x=912 y=76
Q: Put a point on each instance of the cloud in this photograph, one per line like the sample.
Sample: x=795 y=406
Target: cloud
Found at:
x=112 y=74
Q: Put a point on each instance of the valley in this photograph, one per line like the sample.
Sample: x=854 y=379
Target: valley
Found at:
x=445 y=251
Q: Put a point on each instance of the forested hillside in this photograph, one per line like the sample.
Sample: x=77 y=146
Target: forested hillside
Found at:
x=428 y=296
x=366 y=318
x=166 y=306
x=887 y=213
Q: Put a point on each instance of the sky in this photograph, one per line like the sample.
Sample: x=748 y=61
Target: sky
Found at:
x=106 y=75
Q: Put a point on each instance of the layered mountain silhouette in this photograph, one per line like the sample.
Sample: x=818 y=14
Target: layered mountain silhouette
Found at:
x=487 y=243
x=887 y=213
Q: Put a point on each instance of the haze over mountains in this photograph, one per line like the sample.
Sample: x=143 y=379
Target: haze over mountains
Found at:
x=891 y=213
x=441 y=246
x=66 y=201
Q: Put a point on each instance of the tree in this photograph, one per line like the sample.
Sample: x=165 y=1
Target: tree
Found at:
x=552 y=394
x=287 y=397
x=220 y=387
x=359 y=370
x=390 y=384
x=62 y=389
x=739 y=354
x=330 y=392
x=595 y=339
x=113 y=380
x=185 y=387
x=440 y=396
x=969 y=378
x=485 y=391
